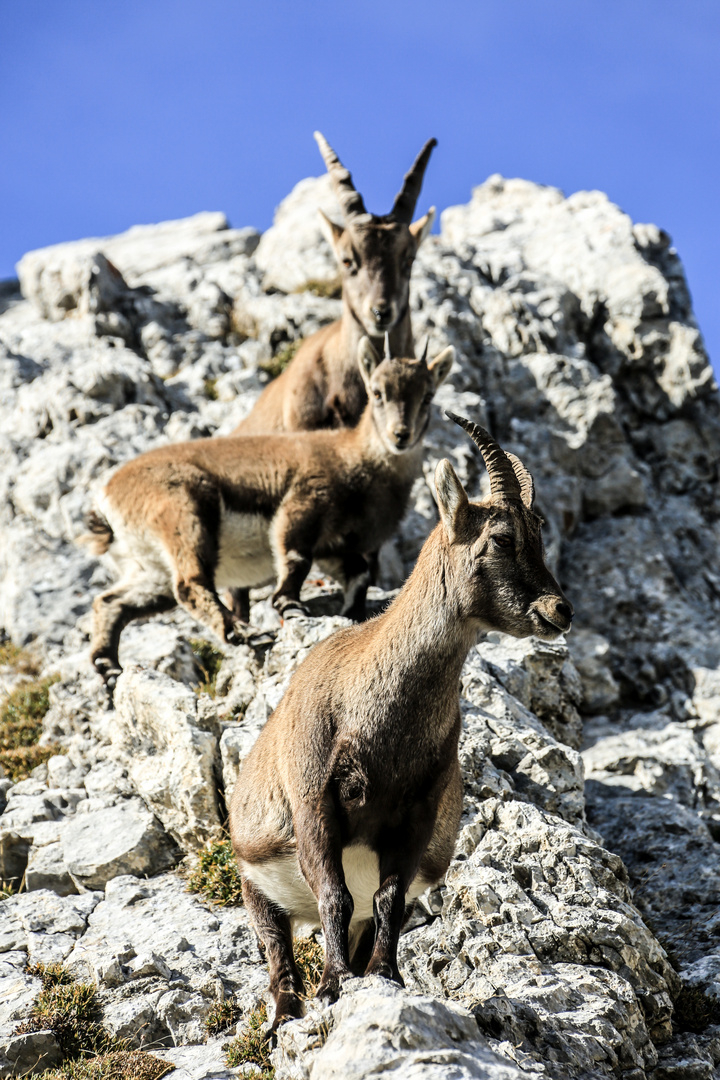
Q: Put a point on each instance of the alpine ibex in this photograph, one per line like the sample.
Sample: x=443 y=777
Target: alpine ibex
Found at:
x=348 y=804
x=321 y=387
x=185 y=520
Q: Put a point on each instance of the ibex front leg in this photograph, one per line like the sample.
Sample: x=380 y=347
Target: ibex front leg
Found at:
x=294 y=537
x=399 y=862
x=320 y=856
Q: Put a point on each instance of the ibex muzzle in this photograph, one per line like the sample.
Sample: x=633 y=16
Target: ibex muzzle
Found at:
x=348 y=805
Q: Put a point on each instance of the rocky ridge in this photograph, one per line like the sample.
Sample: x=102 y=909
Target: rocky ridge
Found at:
x=578 y=920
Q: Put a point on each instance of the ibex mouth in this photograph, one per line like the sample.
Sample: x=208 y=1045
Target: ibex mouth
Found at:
x=550 y=628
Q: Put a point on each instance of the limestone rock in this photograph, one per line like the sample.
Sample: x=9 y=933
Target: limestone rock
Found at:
x=121 y=839
x=294 y=251
x=376 y=1029
x=169 y=747
x=22 y=1055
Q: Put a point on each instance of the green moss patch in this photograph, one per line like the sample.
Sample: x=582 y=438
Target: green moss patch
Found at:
x=210 y=389
x=252 y=1046
x=277 y=364
x=209 y=660
x=21 y=718
x=216 y=876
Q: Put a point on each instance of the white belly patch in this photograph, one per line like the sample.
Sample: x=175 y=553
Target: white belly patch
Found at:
x=282 y=882
x=245 y=557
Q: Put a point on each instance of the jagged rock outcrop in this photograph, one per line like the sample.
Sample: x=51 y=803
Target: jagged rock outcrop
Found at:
x=576 y=912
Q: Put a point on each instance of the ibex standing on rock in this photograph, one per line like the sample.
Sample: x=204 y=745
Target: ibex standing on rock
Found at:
x=348 y=805
x=322 y=387
x=188 y=519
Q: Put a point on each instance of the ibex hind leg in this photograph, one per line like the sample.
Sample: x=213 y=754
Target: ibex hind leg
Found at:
x=273 y=928
x=112 y=611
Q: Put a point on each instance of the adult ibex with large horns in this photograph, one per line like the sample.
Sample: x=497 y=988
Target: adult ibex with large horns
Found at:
x=348 y=805
x=322 y=386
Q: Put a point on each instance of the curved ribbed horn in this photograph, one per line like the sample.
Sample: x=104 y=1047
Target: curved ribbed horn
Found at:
x=405 y=200
x=504 y=484
x=527 y=484
x=388 y=354
x=351 y=201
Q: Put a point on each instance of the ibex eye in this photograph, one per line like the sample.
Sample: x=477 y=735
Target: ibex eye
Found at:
x=503 y=541
x=377 y=395
x=347 y=263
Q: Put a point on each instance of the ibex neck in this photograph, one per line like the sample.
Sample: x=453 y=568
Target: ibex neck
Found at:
x=428 y=634
x=352 y=330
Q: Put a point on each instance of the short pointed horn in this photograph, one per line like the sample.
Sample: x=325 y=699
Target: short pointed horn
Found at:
x=424 y=355
x=504 y=484
x=527 y=484
x=405 y=200
x=388 y=354
x=351 y=201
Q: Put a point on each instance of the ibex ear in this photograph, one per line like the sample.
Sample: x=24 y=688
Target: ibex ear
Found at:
x=331 y=231
x=439 y=368
x=422 y=226
x=368 y=359
x=451 y=497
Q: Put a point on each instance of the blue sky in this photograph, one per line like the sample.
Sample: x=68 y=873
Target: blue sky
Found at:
x=126 y=111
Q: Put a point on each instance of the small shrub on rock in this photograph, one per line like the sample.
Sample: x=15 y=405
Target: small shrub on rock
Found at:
x=216 y=876
x=21 y=720
x=252 y=1046
x=332 y=290
x=222 y=1016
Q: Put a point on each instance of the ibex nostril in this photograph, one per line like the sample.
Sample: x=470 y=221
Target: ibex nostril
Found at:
x=565 y=611
x=382 y=314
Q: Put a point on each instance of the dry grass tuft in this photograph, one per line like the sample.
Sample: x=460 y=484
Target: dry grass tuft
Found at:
x=252 y=1046
x=210 y=389
x=216 y=876
x=209 y=660
x=70 y=1010
x=18 y=659
x=330 y=289
x=119 y=1065
x=310 y=961
x=21 y=720
x=695 y=1010
x=222 y=1016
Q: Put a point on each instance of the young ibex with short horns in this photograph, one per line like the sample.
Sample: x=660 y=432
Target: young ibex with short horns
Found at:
x=348 y=805
x=322 y=387
x=188 y=519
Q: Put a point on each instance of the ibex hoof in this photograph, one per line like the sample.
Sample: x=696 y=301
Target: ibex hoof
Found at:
x=290 y=609
x=108 y=668
x=329 y=989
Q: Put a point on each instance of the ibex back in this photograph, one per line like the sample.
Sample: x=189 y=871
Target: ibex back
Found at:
x=186 y=520
x=321 y=387
x=348 y=804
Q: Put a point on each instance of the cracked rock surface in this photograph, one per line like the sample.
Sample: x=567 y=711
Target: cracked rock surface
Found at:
x=577 y=934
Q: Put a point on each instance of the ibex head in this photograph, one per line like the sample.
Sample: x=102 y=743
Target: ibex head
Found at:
x=375 y=253
x=400 y=392
x=495 y=546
